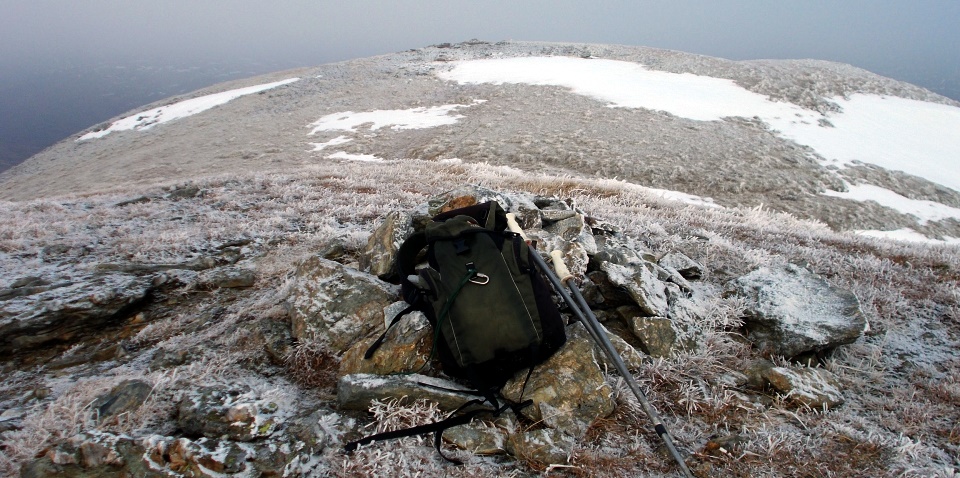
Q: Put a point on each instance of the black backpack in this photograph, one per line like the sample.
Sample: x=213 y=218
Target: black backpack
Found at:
x=491 y=311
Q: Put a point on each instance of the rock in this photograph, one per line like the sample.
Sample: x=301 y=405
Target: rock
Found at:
x=355 y=392
x=165 y=358
x=528 y=215
x=756 y=371
x=603 y=292
x=227 y=278
x=569 y=391
x=574 y=254
x=336 y=305
x=125 y=397
x=641 y=284
x=234 y=414
x=574 y=229
x=657 y=335
x=632 y=358
x=688 y=268
x=405 y=349
x=76 y=310
x=277 y=339
x=379 y=255
x=93 y=454
x=791 y=311
x=807 y=387
x=481 y=437
x=544 y=446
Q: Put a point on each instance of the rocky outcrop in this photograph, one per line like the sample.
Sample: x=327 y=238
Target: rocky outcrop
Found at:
x=336 y=304
x=791 y=311
x=65 y=311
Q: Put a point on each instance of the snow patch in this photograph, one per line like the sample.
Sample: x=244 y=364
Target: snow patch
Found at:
x=415 y=118
x=333 y=142
x=907 y=235
x=925 y=211
x=164 y=114
x=356 y=157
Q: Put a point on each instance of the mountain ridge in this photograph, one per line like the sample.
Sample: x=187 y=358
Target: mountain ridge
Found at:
x=265 y=132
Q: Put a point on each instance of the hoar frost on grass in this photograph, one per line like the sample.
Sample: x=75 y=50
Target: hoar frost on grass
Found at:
x=287 y=217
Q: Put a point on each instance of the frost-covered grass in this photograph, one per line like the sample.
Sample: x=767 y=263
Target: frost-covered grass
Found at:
x=900 y=381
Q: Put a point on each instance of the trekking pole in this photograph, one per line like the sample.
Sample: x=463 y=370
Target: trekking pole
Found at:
x=582 y=311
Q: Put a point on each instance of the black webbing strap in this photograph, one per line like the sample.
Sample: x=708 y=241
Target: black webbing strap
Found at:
x=451 y=421
x=376 y=345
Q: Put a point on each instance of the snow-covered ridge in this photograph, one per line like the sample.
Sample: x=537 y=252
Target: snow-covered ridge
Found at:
x=148 y=119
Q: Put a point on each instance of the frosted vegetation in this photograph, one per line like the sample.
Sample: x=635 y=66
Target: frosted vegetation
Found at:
x=900 y=381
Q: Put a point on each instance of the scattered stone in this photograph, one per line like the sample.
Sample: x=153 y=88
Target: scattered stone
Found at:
x=657 y=335
x=807 y=387
x=544 y=446
x=227 y=278
x=791 y=311
x=335 y=304
x=355 y=392
x=688 y=268
x=125 y=397
x=381 y=251
x=569 y=391
x=234 y=414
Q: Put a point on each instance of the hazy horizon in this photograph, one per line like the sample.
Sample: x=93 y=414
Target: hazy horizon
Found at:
x=69 y=65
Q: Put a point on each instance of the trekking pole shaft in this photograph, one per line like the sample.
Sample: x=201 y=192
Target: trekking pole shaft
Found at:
x=583 y=312
x=581 y=309
x=621 y=367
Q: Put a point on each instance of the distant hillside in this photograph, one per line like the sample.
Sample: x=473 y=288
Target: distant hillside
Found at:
x=786 y=135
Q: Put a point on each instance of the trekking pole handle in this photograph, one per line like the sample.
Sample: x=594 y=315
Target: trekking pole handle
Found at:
x=558 y=265
x=515 y=227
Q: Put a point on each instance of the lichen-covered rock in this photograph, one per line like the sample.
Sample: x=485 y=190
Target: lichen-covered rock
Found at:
x=379 y=255
x=574 y=229
x=357 y=391
x=791 y=311
x=235 y=414
x=641 y=284
x=481 y=437
x=544 y=446
x=335 y=304
x=569 y=391
x=657 y=335
x=807 y=387
x=405 y=349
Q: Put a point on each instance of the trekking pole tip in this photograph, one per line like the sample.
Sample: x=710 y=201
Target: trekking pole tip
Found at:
x=562 y=272
x=515 y=227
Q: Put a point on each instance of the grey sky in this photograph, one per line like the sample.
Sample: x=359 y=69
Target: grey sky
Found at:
x=881 y=35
